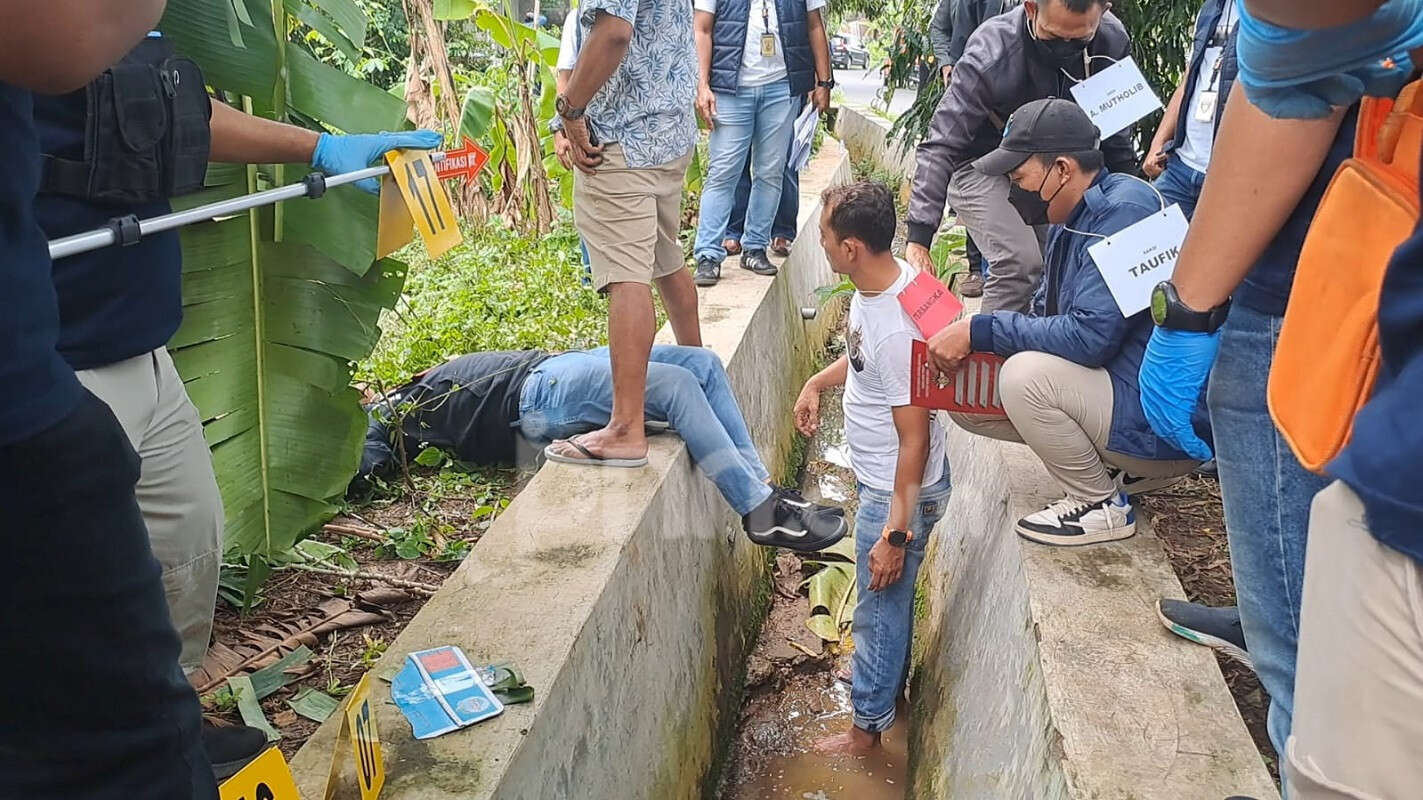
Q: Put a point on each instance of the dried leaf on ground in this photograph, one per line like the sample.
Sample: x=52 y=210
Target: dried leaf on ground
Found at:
x=314 y=705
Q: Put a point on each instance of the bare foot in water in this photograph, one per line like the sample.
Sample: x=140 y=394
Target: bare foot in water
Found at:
x=854 y=742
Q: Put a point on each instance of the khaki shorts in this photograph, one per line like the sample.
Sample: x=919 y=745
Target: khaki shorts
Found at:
x=630 y=218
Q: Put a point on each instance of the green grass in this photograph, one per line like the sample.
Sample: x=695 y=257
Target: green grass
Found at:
x=500 y=290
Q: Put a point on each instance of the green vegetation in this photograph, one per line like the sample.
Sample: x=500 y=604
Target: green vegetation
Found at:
x=501 y=291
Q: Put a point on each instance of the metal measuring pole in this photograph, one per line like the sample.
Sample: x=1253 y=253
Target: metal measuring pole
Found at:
x=130 y=229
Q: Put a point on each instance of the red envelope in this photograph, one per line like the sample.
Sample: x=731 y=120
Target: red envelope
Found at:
x=929 y=303
x=973 y=388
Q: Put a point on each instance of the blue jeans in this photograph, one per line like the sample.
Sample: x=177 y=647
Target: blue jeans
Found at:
x=687 y=388
x=784 y=225
x=753 y=123
x=1266 y=495
x=1180 y=184
x=884 y=620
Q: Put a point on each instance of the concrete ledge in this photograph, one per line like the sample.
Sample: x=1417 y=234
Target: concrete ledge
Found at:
x=1044 y=672
x=865 y=134
x=630 y=598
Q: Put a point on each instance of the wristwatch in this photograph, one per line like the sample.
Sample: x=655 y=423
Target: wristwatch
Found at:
x=567 y=112
x=896 y=538
x=1168 y=311
x=827 y=84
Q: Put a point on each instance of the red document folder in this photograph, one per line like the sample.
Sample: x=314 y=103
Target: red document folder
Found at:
x=973 y=388
x=929 y=303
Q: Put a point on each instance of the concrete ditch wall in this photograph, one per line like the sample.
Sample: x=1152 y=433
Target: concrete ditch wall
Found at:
x=1043 y=672
x=629 y=598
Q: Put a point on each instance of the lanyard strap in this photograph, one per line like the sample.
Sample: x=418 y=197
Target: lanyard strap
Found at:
x=765 y=16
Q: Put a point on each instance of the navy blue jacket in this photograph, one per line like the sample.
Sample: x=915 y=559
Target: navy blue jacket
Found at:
x=1206 y=22
x=729 y=44
x=1075 y=317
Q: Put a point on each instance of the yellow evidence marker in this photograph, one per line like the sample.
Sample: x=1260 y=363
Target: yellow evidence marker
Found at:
x=425 y=199
x=266 y=778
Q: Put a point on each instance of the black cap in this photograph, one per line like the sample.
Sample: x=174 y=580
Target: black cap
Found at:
x=1053 y=125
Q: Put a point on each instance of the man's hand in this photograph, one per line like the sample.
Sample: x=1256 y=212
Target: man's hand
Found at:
x=337 y=154
x=1173 y=372
x=581 y=150
x=706 y=105
x=563 y=149
x=807 y=409
x=945 y=72
x=820 y=98
x=886 y=565
x=1155 y=164
x=918 y=256
x=950 y=346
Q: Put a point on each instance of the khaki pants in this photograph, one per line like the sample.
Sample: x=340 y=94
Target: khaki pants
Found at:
x=630 y=218
x=1063 y=411
x=177 y=490
x=1358 y=717
x=1012 y=248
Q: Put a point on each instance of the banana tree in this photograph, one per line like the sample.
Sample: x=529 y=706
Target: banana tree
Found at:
x=280 y=302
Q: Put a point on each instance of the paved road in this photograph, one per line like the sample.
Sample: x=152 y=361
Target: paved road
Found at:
x=862 y=87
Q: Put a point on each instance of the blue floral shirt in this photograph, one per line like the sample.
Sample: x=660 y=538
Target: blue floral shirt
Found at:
x=647 y=106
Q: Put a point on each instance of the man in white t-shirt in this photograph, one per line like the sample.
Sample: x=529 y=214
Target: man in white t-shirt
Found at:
x=756 y=57
x=896 y=451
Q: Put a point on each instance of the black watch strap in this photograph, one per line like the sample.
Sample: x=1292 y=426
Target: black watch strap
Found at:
x=830 y=84
x=1168 y=311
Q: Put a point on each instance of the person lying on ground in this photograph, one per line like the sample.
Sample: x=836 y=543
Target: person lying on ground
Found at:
x=896 y=451
x=475 y=406
x=1069 y=385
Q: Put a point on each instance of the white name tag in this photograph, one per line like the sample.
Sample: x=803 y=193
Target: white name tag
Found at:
x=1133 y=260
x=1116 y=97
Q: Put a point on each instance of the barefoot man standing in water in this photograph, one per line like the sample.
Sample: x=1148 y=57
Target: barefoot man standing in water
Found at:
x=896 y=450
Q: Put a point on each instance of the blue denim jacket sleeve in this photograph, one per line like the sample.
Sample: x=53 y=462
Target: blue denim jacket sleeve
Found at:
x=1089 y=327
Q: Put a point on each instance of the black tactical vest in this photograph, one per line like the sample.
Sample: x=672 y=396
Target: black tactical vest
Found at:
x=146 y=135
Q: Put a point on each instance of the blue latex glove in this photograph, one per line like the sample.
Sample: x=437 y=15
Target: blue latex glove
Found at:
x=337 y=154
x=1302 y=74
x=1173 y=373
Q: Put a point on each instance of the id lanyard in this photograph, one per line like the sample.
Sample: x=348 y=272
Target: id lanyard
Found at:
x=1210 y=94
x=768 y=39
x=1159 y=197
x=1086 y=67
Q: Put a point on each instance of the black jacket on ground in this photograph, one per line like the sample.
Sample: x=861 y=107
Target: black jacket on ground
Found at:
x=1001 y=70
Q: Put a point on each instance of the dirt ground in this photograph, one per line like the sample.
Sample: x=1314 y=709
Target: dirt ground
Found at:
x=448 y=505
x=1189 y=522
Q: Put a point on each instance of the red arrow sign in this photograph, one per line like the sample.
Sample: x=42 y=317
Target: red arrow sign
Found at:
x=465 y=162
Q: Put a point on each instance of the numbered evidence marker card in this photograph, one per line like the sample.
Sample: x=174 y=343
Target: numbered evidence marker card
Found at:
x=439 y=691
x=1116 y=97
x=1136 y=258
x=425 y=199
x=365 y=741
x=972 y=389
x=266 y=778
x=929 y=303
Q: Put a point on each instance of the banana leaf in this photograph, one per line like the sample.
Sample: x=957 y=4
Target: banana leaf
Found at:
x=832 y=593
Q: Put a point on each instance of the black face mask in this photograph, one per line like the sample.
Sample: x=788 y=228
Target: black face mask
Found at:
x=1030 y=205
x=1060 y=52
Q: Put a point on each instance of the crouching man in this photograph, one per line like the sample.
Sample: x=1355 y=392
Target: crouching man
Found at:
x=1069 y=385
x=476 y=405
x=896 y=451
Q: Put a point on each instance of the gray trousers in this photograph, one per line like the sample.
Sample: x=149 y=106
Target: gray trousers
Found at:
x=177 y=489
x=1014 y=250
x=1358 y=719
x=1063 y=411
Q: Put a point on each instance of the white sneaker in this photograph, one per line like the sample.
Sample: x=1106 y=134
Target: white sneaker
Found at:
x=1134 y=485
x=1073 y=522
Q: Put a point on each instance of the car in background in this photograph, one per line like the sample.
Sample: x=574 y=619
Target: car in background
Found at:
x=845 y=53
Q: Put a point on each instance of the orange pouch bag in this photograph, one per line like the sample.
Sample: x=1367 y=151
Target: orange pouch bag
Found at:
x=1327 y=358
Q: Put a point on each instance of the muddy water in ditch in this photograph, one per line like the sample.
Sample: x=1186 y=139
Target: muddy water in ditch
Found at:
x=793 y=697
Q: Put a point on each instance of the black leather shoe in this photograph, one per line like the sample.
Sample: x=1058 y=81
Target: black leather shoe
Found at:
x=231 y=748
x=756 y=261
x=708 y=272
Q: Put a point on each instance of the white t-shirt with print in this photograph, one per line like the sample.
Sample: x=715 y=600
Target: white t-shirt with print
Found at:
x=878 y=341
x=756 y=69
